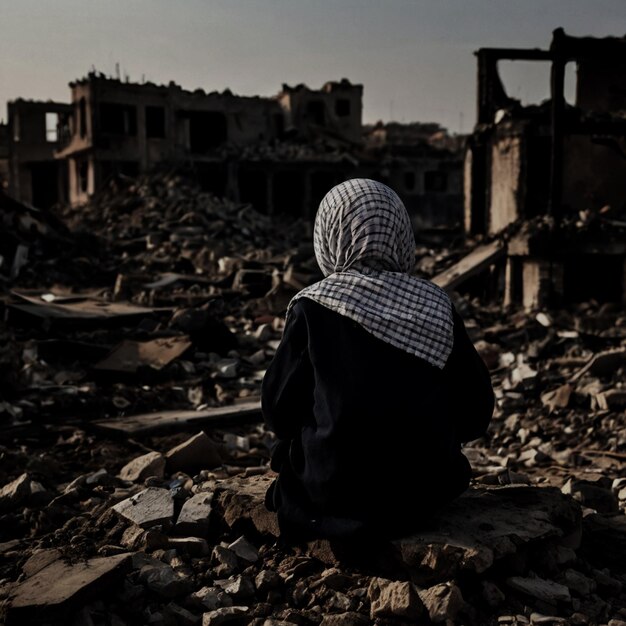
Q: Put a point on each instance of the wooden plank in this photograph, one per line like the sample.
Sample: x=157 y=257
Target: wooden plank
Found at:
x=474 y=263
x=130 y=355
x=160 y=421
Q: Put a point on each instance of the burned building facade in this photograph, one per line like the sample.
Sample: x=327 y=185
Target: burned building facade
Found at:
x=423 y=164
x=228 y=141
x=281 y=154
x=34 y=128
x=566 y=163
x=4 y=156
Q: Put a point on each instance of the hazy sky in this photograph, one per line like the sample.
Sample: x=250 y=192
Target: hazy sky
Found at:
x=414 y=57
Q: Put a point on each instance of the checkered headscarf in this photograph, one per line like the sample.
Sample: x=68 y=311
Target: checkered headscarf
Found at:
x=365 y=247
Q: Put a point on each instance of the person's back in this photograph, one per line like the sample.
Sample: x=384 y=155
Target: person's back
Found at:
x=370 y=414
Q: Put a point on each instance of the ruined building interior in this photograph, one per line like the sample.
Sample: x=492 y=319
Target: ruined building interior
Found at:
x=558 y=166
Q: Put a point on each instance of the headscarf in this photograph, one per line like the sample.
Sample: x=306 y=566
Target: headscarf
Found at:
x=365 y=247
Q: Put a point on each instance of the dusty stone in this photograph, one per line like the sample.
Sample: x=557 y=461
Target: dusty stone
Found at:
x=242 y=500
x=333 y=578
x=147 y=508
x=140 y=468
x=207 y=598
x=558 y=398
x=539 y=588
x=578 y=583
x=244 y=550
x=197 y=453
x=443 y=601
x=484 y=525
x=548 y=620
x=39 y=560
x=226 y=561
x=136 y=538
x=394 y=599
x=162 y=579
x=349 y=618
x=226 y=615
x=339 y=601
x=241 y=588
x=194 y=546
x=266 y=580
x=60 y=585
x=194 y=516
x=15 y=493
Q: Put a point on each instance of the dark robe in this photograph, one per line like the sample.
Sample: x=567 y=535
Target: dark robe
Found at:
x=369 y=436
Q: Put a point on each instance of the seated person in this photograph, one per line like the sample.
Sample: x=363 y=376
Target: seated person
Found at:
x=375 y=384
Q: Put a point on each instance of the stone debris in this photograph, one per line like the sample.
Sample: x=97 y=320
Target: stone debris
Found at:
x=545 y=590
x=193 y=455
x=92 y=467
x=150 y=507
x=144 y=466
x=394 y=599
x=47 y=592
x=194 y=515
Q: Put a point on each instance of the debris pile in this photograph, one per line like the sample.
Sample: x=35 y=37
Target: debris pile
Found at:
x=133 y=463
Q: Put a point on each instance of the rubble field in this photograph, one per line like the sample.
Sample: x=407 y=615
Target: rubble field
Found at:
x=134 y=461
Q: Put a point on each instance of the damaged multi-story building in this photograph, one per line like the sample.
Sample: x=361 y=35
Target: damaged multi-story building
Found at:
x=232 y=143
x=4 y=157
x=557 y=169
x=280 y=154
x=35 y=175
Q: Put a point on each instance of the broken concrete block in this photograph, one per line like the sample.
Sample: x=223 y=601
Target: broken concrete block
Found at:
x=240 y=588
x=267 y=580
x=163 y=579
x=147 y=508
x=206 y=598
x=194 y=516
x=443 y=602
x=226 y=561
x=59 y=586
x=539 y=588
x=226 y=615
x=349 y=618
x=557 y=398
x=140 y=468
x=484 y=525
x=390 y=598
x=197 y=453
x=244 y=550
x=136 y=538
x=194 y=546
x=578 y=583
x=242 y=500
x=15 y=493
x=39 y=560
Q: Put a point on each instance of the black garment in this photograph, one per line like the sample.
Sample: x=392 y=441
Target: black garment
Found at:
x=369 y=436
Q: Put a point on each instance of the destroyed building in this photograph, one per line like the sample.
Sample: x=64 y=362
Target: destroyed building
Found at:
x=4 y=156
x=34 y=133
x=557 y=161
x=128 y=128
x=421 y=162
x=280 y=154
